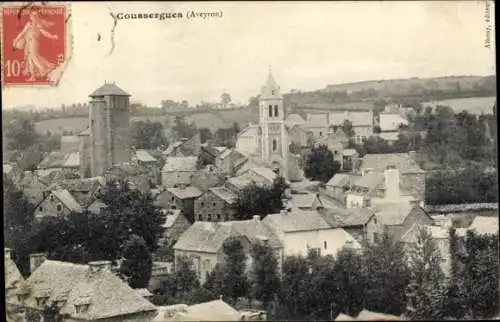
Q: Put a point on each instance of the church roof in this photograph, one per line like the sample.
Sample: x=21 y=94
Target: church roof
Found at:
x=109 y=89
x=271 y=83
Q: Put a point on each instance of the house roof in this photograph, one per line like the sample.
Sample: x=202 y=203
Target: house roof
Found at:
x=185 y=193
x=341 y=217
x=297 y=220
x=295 y=119
x=143 y=292
x=251 y=130
x=240 y=182
x=379 y=162
x=210 y=237
x=343 y=317
x=302 y=200
x=12 y=273
x=107 y=294
x=85 y=132
x=127 y=169
x=389 y=136
x=144 y=156
x=370 y=181
x=109 y=89
x=60 y=160
x=350 y=152
x=356 y=118
x=366 y=315
x=67 y=199
x=171 y=217
x=96 y=206
x=340 y=180
x=225 y=194
x=391 y=121
x=436 y=232
x=266 y=173
x=216 y=310
x=85 y=185
x=207 y=178
x=173 y=146
x=484 y=225
x=392 y=213
x=54 y=278
x=316 y=120
x=180 y=164
x=70 y=143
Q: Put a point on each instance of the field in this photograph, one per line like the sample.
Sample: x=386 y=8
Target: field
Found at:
x=476 y=105
x=213 y=120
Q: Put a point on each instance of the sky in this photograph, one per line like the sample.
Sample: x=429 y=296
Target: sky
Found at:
x=308 y=44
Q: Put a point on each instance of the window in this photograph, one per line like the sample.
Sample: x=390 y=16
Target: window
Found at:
x=40 y=209
x=52 y=198
x=226 y=217
x=200 y=217
x=325 y=244
x=276 y=110
x=173 y=207
x=315 y=251
x=270 y=111
x=275 y=145
x=336 y=152
x=218 y=217
x=59 y=207
x=272 y=92
x=81 y=308
x=209 y=217
x=375 y=237
x=40 y=301
x=320 y=133
x=375 y=220
x=214 y=204
x=173 y=198
x=202 y=204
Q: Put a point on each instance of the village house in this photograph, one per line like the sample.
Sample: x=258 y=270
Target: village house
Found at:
x=483 y=225
x=440 y=237
x=57 y=161
x=338 y=186
x=185 y=147
x=33 y=189
x=263 y=177
x=216 y=204
x=181 y=198
x=303 y=201
x=203 y=242
x=58 y=202
x=348 y=159
x=138 y=177
x=216 y=310
x=411 y=176
x=83 y=190
x=178 y=170
x=391 y=122
x=145 y=159
x=207 y=178
x=362 y=122
x=13 y=279
x=360 y=223
x=81 y=292
x=175 y=225
x=317 y=124
x=230 y=161
x=294 y=119
x=208 y=153
x=303 y=231
x=299 y=136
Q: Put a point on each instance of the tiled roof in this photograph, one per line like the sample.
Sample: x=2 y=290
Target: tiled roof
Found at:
x=173 y=146
x=295 y=119
x=180 y=164
x=366 y=315
x=340 y=180
x=185 y=193
x=392 y=213
x=391 y=121
x=436 y=232
x=297 y=220
x=207 y=178
x=250 y=131
x=54 y=278
x=343 y=317
x=316 y=120
x=127 y=169
x=484 y=225
x=210 y=237
x=356 y=118
x=341 y=217
x=171 y=217
x=216 y=310
x=144 y=156
x=108 y=296
x=109 y=89
x=60 y=160
x=225 y=194
x=84 y=132
x=58 y=175
x=371 y=180
x=240 y=182
x=265 y=172
x=67 y=199
x=72 y=185
x=379 y=162
x=70 y=143
x=302 y=200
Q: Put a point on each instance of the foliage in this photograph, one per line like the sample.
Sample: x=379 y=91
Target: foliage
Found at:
x=348 y=129
x=147 y=135
x=20 y=134
x=265 y=279
x=235 y=283
x=226 y=137
x=261 y=201
x=469 y=185
x=182 y=129
x=17 y=211
x=294 y=289
x=205 y=135
x=426 y=292
x=320 y=165
x=137 y=264
x=225 y=99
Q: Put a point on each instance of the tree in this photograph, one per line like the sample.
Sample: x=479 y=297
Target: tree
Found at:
x=265 y=280
x=235 y=281
x=320 y=165
x=205 y=135
x=185 y=278
x=426 y=290
x=20 y=133
x=17 y=211
x=182 y=129
x=225 y=99
x=137 y=264
x=260 y=200
x=295 y=286
x=348 y=129
x=387 y=276
x=147 y=135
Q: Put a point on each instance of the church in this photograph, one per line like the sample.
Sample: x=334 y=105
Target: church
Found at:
x=268 y=142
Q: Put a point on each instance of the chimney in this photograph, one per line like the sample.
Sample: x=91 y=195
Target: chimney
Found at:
x=7 y=253
x=36 y=260
x=415 y=202
x=99 y=266
x=256 y=218
x=391 y=183
x=284 y=212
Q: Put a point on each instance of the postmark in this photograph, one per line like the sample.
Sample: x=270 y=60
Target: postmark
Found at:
x=35 y=44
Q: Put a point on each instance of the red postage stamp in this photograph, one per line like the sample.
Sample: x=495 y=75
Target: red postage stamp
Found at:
x=34 y=44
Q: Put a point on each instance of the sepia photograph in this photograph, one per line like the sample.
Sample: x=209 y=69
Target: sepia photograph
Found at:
x=249 y=161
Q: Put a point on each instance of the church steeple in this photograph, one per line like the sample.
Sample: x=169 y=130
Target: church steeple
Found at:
x=271 y=89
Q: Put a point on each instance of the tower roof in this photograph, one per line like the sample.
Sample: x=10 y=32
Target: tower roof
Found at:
x=271 y=83
x=271 y=88
x=109 y=89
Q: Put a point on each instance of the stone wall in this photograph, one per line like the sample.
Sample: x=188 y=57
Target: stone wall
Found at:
x=210 y=207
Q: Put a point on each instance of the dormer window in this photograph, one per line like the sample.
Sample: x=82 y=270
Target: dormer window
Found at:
x=59 y=207
x=40 y=301
x=21 y=298
x=272 y=92
x=81 y=308
x=52 y=198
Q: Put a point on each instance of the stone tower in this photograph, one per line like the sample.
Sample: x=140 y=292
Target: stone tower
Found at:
x=274 y=141
x=109 y=120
